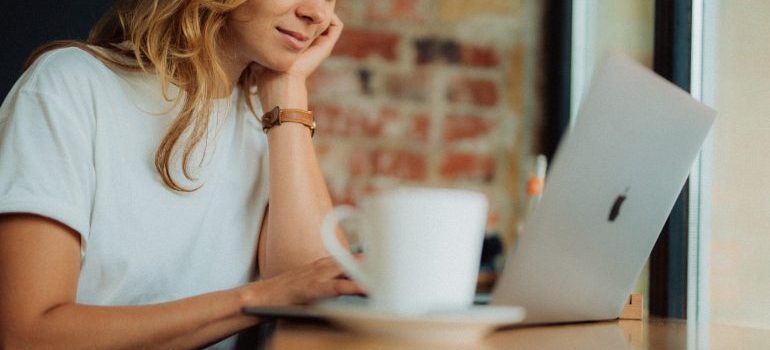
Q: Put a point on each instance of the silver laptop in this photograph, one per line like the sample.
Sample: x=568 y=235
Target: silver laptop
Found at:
x=609 y=191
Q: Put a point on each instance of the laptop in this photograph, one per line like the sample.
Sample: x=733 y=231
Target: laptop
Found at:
x=609 y=191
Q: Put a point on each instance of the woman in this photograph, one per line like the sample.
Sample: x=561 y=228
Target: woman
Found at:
x=135 y=177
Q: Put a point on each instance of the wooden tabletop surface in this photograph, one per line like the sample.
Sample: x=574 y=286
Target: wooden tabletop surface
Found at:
x=625 y=334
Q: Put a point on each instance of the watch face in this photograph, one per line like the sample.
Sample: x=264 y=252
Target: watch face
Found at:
x=271 y=118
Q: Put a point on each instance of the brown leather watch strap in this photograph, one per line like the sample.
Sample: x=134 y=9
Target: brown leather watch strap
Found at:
x=277 y=116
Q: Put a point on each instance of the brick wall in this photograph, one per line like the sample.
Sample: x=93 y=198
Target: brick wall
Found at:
x=431 y=92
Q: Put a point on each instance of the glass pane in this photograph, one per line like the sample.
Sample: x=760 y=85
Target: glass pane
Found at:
x=740 y=263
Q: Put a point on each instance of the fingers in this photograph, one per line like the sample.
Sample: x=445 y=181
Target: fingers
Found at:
x=334 y=288
x=335 y=29
x=329 y=37
x=333 y=276
x=321 y=279
x=346 y=287
x=326 y=269
x=336 y=24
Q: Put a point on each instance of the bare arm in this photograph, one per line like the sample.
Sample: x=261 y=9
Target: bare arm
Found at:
x=39 y=268
x=298 y=201
x=299 y=198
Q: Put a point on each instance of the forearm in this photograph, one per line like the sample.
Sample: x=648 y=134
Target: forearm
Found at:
x=298 y=200
x=299 y=197
x=184 y=324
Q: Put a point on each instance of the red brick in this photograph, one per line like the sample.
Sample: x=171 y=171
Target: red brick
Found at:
x=476 y=56
x=464 y=127
x=359 y=163
x=468 y=166
x=420 y=127
x=394 y=10
x=401 y=164
x=362 y=123
x=322 y=149
x=329 y=120
x=367 y=125
x=335 y=120
x=360 y=43
x=477 y=91
x=371 y=189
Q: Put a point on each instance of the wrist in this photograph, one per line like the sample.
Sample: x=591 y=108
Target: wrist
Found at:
x=286 y=93
x=245 y=296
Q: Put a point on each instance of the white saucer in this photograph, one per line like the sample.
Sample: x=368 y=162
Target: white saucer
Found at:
x=466 y=326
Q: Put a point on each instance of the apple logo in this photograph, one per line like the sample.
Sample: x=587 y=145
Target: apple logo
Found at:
x=615 y=210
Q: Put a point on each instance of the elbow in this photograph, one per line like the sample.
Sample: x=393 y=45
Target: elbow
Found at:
x=12 y=339
x=14 y=334
x=19 y=341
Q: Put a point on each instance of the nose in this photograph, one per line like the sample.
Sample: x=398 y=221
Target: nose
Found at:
x=314 y=11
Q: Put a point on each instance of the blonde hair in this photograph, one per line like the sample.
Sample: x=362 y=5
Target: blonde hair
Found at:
x=179 y=41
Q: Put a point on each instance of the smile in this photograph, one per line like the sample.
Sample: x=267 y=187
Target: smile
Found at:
x=295 y=40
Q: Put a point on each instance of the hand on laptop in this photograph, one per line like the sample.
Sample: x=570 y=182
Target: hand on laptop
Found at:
x=318 y=280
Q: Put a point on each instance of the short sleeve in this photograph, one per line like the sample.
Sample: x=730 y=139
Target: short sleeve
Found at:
x=46 y=158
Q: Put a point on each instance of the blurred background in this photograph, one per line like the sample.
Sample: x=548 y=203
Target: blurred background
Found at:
x=433 y=92
x=466 y=93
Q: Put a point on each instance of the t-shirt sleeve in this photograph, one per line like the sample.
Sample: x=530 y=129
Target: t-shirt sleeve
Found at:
x=46 y=158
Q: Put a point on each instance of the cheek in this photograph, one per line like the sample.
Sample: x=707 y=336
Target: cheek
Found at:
x=247 y=28
x=257 y=41
x=249 y=40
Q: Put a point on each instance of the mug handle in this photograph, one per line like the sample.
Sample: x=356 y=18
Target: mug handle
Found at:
x=335 y=248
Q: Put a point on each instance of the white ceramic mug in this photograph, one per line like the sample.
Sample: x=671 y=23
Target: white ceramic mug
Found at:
x=422 y=247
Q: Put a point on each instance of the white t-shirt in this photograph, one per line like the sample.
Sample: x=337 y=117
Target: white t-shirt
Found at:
x=77 y=144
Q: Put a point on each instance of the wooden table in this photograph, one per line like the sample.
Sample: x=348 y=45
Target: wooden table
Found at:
x=625 y=334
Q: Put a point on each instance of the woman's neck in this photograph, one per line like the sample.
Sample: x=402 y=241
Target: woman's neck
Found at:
x=232 y=64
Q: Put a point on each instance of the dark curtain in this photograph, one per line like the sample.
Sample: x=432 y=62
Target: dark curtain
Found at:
x=25 y=25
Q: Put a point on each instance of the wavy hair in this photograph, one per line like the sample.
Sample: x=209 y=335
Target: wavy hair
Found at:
x=178 y=40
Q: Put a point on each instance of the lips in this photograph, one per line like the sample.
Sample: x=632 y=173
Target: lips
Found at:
x=296 y=35
x=294 y=39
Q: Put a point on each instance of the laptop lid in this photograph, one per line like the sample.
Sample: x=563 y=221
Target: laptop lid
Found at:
x=611 y=186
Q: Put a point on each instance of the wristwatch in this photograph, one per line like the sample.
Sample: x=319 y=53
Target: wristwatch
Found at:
x=277 y=116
